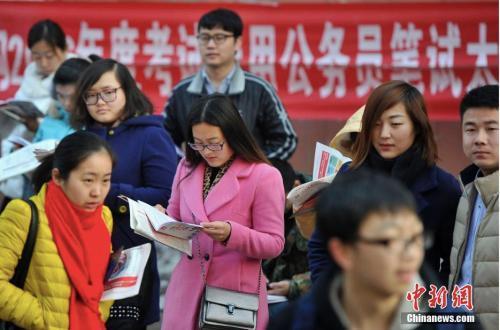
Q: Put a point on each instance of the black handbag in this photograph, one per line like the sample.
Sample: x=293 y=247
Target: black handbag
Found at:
x=24 y=263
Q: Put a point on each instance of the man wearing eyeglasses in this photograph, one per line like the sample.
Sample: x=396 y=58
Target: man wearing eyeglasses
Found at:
x=377 y=241
x=219 y=40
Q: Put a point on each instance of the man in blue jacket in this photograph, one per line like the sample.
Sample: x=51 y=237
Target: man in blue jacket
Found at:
x=219 y=40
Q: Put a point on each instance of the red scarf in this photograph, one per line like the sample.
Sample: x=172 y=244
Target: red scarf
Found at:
x=83 y=243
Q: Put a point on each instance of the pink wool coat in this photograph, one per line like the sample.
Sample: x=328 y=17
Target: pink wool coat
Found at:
x=251 y=197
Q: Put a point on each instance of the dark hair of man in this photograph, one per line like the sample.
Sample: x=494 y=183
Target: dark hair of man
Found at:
x=352 y=197
x=69 y=72
x=218 y=110
x=385 y=97
x=480 y=97
x=223 y=18
x=70 y=152
x=136 y=103
x=48 y=31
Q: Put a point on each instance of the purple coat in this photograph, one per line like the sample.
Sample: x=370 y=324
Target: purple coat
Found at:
x=251 y=197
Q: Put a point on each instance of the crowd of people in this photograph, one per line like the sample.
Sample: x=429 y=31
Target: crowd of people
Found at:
x=392 y=220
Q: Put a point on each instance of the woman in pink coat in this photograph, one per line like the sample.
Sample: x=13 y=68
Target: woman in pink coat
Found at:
x=226 y=184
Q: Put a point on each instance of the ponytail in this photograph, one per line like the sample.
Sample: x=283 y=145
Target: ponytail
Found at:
x=43 y=173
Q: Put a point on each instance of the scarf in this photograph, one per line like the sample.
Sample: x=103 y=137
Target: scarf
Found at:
x=83 y=243
x=406 y=167
x=213 y=175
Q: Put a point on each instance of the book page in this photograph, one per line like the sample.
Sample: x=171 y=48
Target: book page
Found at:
x=140 y=224
x=300 y=194
x=126 y=276
x=168 y=225
x=23 y=160
x=327 y=161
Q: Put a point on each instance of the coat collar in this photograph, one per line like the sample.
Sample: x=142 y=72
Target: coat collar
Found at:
x=468 y=174
x=220 y=195
x=237 y=85
x=487 y=187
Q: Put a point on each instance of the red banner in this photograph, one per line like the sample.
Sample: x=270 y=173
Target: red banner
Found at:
x=324 y=59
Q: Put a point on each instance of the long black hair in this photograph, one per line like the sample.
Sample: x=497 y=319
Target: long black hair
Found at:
x=218 y=110
x=70 y=152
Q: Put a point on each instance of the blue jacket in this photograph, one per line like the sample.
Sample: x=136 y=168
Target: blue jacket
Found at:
x=54 y=128
x=145 y=169
x=437 y=194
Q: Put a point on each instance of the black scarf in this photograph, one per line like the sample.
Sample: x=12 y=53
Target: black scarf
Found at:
x=406 y=167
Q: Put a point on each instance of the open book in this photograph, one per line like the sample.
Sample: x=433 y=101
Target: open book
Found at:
x=126 y=269
x=20 y=110
x=327 y=163
x=147 y=221
x=25 y=159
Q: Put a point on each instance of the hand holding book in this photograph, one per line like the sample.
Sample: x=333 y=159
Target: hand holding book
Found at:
x=154 y=224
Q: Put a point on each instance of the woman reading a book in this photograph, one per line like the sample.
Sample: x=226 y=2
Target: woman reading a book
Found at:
x=110 y=104
x=47 y=43
x=225 y=184
x=396 y=138
x=65 y=278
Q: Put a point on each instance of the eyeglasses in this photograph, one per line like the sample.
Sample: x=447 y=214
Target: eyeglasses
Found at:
x=107 y=96
x=218 y=38
x=396 y=245
x=210 y=146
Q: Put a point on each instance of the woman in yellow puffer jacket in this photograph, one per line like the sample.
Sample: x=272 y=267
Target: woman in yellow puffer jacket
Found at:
x=65 y=280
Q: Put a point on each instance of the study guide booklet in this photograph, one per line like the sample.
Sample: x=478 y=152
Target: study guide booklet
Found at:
x=125 y=272
x=147 y=221
x=327 y=163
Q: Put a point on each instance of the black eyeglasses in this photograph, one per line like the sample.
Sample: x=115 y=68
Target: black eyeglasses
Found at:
x=396 y=245
x=108 y=95
x=218 y=38
x=209 y=146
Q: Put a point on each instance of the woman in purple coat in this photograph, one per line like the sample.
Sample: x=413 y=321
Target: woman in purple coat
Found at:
x=109 y=104
x=226 y=184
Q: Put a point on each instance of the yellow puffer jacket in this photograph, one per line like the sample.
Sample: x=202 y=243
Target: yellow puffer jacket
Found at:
x=44 y=303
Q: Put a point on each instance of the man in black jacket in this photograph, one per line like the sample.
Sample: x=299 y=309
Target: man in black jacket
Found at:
x=219 y=39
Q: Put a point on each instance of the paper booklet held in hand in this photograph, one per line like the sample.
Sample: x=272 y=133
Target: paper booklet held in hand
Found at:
x=26 y=159
x=125 y=272
x=147 y=221
x=327 y=163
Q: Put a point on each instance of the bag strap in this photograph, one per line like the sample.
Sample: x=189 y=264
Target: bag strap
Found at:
x=24 y=263
x=202 y=264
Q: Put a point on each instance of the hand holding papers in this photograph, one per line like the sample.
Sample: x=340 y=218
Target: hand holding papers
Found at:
x=147 y=221
x=125 y=274
x=327 y=163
